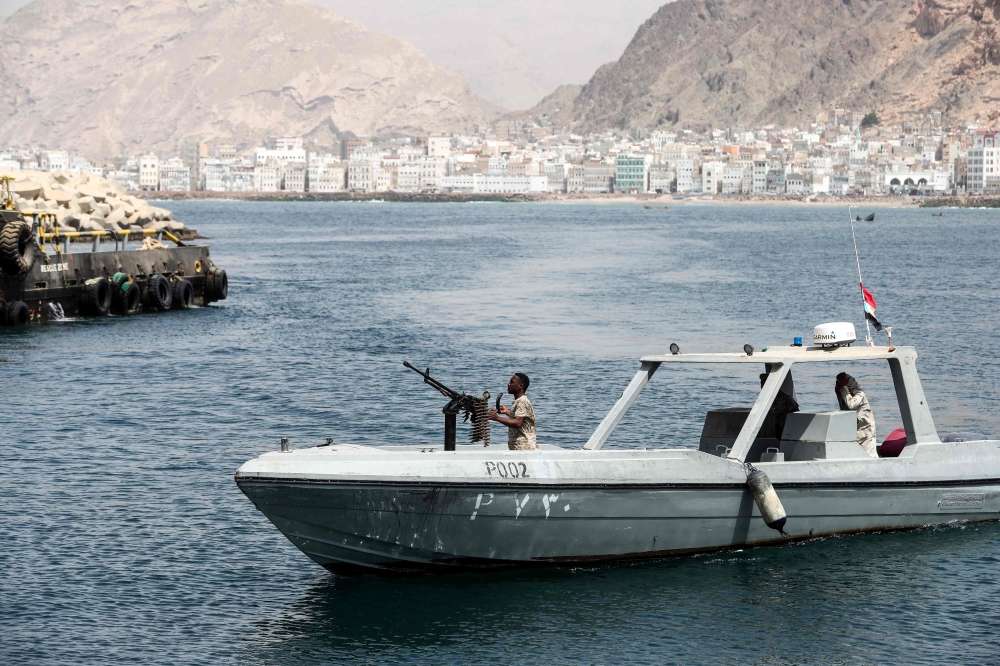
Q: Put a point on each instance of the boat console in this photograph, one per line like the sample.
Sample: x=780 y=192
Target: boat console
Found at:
x=821 y=436
x=722 y=427
x=807 y=436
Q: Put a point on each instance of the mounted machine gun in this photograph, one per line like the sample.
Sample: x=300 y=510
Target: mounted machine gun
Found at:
x=474 y=408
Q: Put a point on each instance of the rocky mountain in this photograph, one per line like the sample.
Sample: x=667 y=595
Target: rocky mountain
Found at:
x=556 y=107
x=700 y=63
x=107 y=77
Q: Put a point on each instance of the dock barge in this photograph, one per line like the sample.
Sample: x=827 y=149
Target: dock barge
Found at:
x=50 y=273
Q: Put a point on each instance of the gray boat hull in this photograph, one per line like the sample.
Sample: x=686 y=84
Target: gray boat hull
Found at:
x=350 y=526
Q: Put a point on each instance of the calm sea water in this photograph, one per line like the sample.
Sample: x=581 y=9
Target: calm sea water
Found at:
x=123 y=538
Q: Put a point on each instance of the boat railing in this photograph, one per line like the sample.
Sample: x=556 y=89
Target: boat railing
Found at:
x=58 y=236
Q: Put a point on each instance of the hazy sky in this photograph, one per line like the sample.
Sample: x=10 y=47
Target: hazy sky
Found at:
x=513 y=52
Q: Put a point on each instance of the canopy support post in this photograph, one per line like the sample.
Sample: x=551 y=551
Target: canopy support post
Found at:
x=913 y=409
x=614 y=417
x=759 y=411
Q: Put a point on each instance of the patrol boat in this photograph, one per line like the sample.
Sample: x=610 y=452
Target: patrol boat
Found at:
x=421 y=508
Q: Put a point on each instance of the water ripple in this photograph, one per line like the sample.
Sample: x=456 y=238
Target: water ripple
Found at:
x=125 y=539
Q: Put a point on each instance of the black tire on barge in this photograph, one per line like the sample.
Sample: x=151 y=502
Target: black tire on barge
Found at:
x=17 y=248
x=126 y=299
x=160 y=293
x=96 y=298
x=16 y=313
x=183 y=295
x=216 y=285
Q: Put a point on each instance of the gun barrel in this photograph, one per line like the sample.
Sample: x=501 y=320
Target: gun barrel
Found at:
x=426 y=374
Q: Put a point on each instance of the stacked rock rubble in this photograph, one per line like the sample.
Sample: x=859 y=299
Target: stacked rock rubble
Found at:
x=87 y=202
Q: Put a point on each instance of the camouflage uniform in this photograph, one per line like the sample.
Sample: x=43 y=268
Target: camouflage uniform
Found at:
x=523 y=438
x=866 y=420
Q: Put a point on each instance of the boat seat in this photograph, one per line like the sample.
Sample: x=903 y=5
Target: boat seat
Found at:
x=893 y=444
x=821 y=436
x=722 y=427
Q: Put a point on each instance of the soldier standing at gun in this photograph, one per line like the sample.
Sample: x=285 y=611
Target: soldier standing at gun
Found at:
x=520 y=418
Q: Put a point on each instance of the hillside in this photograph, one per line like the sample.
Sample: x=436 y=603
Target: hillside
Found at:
x=701 y=63
x=117 y=76
x=557 y=106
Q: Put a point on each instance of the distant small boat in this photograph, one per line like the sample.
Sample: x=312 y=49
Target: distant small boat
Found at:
x=655 y=206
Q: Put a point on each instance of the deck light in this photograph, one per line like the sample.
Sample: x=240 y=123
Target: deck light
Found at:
x=748 y=349
x=674 y=349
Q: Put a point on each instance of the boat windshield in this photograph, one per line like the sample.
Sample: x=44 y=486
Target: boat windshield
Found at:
x=670 y=412
x=671 y=404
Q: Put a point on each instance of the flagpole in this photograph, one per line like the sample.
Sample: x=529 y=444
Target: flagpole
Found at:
x=861 y=283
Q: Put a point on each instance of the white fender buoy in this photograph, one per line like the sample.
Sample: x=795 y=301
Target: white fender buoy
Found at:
x=767 y=500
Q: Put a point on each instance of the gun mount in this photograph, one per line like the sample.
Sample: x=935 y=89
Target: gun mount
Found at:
x=476 y=409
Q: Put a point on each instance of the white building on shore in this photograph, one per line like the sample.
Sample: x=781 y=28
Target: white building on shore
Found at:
x=265 y=178
x=327 y=174
x=362 y=171
x=175 y=176
x=984 y=163
x=149 y=172
x=486 y=183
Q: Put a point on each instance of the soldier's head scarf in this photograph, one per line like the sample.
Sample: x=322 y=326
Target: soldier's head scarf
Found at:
x=844 y=379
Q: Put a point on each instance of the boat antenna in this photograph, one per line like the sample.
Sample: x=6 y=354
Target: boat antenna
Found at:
x=861 y=282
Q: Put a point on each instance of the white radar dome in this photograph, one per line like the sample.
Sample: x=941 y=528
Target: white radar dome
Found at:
x=836 y=334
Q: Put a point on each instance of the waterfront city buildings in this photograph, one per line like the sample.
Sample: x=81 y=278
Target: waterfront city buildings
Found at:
x=831 y=156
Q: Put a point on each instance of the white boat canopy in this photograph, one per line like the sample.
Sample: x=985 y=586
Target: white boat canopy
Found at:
x=902 y=361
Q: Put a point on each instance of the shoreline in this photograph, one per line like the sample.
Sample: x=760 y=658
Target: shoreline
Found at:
x=561 y=198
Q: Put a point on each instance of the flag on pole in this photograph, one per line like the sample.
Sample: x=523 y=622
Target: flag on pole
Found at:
x=870 y=308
